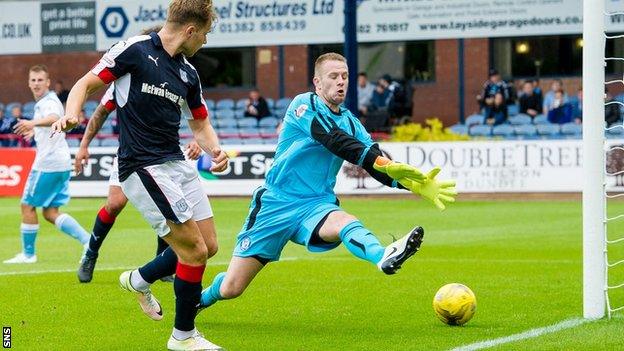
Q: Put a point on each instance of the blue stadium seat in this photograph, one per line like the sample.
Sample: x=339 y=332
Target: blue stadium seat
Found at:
x=210 y=104
x=28 y=107
x=248 y=122
x=73 y=142
x=226 y=123
x=270 y=102
x=459 y=129
x=249 y=132
x=10 y=106
x=280 y=113
x=238 y=114
x=503 y=130
x=526 y=131
x=540 y=119
x=28 y=114
x=91 y=105
x=572 y=130
x=474 y=119
x=513 y=109
x=224 y=114
x=241 y=104
x=267 y=132
x=282 y=103
x=520 y=119
x=271 y=141
x=110 y=142
x=228 y=132
x=231 y=141
x=481 y=130
x=225 y=104
x=548 y=130
x=253 y=141
x=268 y=122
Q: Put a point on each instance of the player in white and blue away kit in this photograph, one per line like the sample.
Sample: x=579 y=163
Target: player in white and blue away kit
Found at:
x=297 y=202
x=48 y=182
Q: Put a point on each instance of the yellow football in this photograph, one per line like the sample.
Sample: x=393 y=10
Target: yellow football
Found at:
x=454 y=304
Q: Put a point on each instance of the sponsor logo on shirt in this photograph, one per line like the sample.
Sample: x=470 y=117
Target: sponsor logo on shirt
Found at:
x=162 y=92
x=301 y=110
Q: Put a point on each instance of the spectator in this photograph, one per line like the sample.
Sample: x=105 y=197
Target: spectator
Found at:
x=257 y=106
x=365 y=93
x=612 y=110
x=497 y=113
x=530 y=102
x=560 y=111
x=491 y=87
x=555 y=87
x=60 y=91
x=577 y=106
x=6 y=129
x=377 y=114
x=537 y=89
x=16 y=113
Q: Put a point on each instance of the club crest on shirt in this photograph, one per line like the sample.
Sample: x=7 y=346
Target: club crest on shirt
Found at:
x=183 y=76
x=301 y=110
x=181 y=205
x=245 y=244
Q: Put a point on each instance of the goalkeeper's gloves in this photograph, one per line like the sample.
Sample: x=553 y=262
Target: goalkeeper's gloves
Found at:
x=397 y=170
x=437 y=192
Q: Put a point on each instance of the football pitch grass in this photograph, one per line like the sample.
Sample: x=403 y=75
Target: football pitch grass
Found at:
x=523 y=260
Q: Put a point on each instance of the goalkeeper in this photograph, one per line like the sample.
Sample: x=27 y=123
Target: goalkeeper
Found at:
x=297 y=202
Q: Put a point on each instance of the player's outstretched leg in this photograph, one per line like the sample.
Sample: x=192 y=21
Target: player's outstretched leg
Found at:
x=139 y=281
x=104 y=221
x=363 y=244
x=68 y=225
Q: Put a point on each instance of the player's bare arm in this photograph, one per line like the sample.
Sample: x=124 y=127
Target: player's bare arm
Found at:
x=207 y=139
x=24 y=126
x=93 y=127
x=84 y=87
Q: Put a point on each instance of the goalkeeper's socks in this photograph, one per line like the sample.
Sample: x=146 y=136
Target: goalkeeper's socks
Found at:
x=162 y=245
x=103 y=223
x=68 y=225
x=29 y=235
x=187 y=288
x=361 y=242
x=212 y=293
x=161 y=266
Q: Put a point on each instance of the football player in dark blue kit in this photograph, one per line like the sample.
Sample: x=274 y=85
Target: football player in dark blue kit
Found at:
x=154 y=87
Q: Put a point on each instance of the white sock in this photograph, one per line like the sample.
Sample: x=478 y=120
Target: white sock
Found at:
x=137 y=281
x=183 y=335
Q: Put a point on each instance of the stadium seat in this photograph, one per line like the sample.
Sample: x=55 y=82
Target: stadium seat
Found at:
x=248 y=122
x=280 y=113
x=210 y=104
x=520 y=119
x=10 y=106
x=459 y=129
x=268 y=122
x=540 y=119
x=572 y=130
x=271 y=141
x=228 y=132
x=28 y=114
x=481 y=130
x=231 y=141
x=73 y=142
x=267 y=132
x=282 y=103
x=249 y=133
x=241 y=104
x=253 y=141
x=110 y=142
x=526 y=131
x=91 y=105
x=224 y=114
x=271 y=103
x=548 y=130
x=238 y=114
x=513 y=109
x=474 y=119
x=225 y=123
x=28 y=107
x=503 y=130
x=225 y=104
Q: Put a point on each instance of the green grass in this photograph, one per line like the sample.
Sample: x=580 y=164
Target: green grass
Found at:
x=522 y=260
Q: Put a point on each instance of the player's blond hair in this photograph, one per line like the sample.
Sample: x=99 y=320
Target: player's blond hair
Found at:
x=39 y=68
x=199 y=12
x=330 y=56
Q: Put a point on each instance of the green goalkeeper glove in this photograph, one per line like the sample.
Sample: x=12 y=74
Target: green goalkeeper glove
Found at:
x=437 y=192
x=397 y=170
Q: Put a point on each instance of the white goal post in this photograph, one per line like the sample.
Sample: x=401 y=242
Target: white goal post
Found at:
x=594 y=202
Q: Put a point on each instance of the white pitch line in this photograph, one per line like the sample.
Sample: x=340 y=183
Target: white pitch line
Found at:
x=529 y=334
